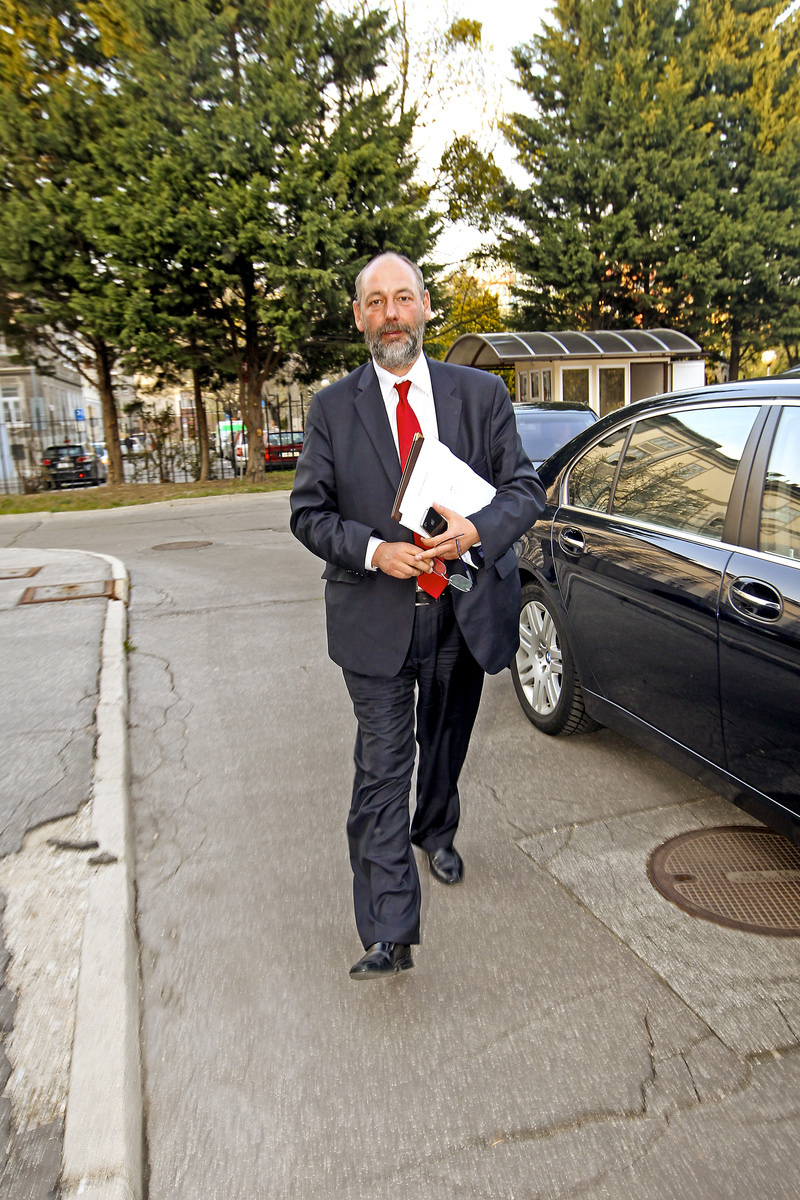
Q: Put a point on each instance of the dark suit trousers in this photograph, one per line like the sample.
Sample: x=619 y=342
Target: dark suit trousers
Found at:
x=448 y=685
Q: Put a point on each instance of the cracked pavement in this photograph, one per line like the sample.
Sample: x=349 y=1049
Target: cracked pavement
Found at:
x=566 y=1031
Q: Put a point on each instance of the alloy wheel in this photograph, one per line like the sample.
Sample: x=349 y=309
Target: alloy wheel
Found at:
x=539 y=661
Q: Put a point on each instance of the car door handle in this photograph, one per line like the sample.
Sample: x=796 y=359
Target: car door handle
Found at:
x=754 y=598
x=572 y=541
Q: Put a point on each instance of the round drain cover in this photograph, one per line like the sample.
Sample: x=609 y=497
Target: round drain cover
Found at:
x=741 y=876
x=182 y=545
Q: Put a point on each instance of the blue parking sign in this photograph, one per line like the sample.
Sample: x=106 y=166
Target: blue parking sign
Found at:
x=79 y=414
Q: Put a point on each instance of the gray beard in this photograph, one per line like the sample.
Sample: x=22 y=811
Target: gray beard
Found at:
x=396 y=354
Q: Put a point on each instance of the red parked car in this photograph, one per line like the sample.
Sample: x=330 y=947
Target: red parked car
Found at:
x=283 y=449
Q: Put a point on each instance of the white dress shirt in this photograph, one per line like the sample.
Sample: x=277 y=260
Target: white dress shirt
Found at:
x=420 y=397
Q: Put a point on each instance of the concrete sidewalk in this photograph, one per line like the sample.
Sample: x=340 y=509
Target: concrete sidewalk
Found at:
x=69 y=1011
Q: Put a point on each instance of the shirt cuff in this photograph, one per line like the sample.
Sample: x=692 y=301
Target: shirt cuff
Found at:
x=372 y=546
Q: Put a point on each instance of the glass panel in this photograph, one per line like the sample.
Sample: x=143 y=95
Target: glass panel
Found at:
x=678 y=469
x=522 y=377
x=575 y=382
x=547 y=385
x=534 y=385
x=780 y=513
x=590 y=480
x=612 y=389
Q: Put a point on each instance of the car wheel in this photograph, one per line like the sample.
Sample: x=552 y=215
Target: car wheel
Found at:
x=543 y=670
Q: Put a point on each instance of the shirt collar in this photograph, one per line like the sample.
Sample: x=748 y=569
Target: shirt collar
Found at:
x=418 y=374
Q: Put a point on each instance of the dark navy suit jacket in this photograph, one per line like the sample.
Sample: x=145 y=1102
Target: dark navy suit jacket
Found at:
x=345 y=485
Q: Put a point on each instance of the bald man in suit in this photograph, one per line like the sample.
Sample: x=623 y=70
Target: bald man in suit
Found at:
x=413 y=648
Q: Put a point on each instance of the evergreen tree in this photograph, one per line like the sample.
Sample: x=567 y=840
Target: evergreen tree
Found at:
x=260 y=167
x=611 y=150
x=663 y=156
x=57 y=294
x=744 y=56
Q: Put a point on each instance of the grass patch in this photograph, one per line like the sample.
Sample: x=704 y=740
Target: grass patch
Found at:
x=82 y=499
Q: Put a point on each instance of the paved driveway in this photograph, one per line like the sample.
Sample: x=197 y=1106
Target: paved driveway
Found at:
x=566 y=1032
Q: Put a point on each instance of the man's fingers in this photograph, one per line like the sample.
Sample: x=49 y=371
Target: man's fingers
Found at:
x=435 y=552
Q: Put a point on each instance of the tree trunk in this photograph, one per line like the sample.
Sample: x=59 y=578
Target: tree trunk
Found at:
x=104 y=362
x=202 y=427
x=255 y=432
x=736 y=350
x=250 y=382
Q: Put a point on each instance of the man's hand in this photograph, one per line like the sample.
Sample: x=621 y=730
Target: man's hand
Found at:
x=400 y=559
x=444 y=545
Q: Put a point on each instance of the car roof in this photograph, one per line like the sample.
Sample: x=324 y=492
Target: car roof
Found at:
x=553 y=406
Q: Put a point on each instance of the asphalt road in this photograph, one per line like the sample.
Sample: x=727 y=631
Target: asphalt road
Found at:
x=566 y=1032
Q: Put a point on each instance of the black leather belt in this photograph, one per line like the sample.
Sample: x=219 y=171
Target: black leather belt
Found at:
x=427 y=598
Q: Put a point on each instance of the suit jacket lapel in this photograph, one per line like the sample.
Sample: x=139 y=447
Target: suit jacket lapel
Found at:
x=448 y=406
x=372 y=411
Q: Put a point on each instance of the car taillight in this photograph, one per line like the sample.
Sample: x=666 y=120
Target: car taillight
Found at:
x=81 y=459
x=47 y=462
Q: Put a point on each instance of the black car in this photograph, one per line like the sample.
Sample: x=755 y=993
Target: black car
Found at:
x=73 y=463
x=545 y=426
x=661 y=589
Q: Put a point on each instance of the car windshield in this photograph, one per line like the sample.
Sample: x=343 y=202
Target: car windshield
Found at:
x=545 y=432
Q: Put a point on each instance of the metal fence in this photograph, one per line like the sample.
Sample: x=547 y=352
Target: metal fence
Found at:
x=150 y=455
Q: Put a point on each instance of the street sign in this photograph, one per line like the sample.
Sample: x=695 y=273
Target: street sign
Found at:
x=79 y=414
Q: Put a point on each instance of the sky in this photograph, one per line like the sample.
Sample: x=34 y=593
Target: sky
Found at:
x=506 y=23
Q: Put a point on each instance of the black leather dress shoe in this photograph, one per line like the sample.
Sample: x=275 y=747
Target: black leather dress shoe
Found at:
x=446 y=865
x=381 y=960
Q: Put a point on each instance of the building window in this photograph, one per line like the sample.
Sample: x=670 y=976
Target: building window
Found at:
x=11 y=405
x=535 y=385
x=522 y=396
x=612 y=389
x=575 y=385
x=547 y=385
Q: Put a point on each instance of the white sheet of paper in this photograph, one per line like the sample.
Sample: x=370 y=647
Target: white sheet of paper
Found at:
x=441 y=478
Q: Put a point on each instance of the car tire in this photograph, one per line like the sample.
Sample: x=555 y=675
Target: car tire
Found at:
x=543 y=670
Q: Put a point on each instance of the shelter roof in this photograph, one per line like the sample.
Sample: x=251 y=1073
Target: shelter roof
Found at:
x=495 y=350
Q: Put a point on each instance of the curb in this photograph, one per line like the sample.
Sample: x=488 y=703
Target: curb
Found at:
x=103 y=1147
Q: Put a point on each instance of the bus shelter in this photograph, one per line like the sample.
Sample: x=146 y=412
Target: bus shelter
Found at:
x=605 y=369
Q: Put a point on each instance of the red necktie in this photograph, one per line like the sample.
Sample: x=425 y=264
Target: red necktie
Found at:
x=407 y=426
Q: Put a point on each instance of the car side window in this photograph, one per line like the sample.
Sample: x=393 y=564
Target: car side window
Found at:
x=591 y=477
x=780 y=508
x=679 y=468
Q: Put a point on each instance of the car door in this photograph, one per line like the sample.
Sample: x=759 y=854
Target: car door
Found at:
x=760 y=623
x=641 y=582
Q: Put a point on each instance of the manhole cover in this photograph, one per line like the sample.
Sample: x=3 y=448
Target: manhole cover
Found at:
x=19 y=572
x=103 y=588
x=182 y=545
x=741 y=876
